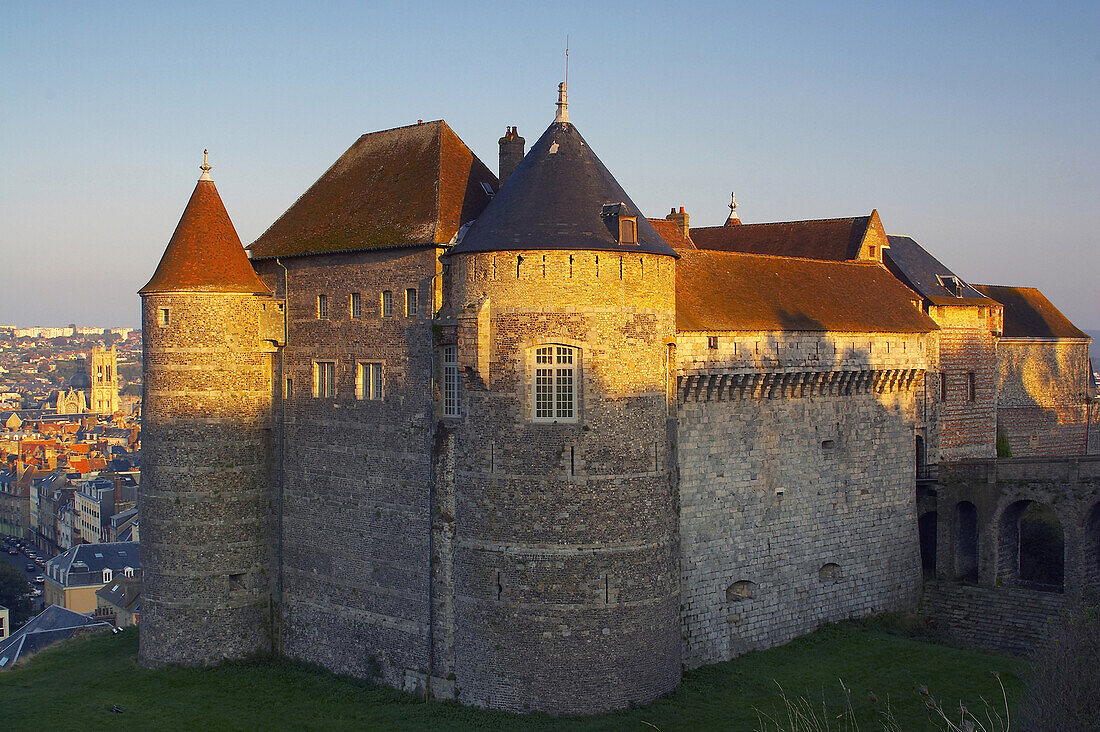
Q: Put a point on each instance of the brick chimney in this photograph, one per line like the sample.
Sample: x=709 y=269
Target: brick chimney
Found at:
x=681 y=219
x=511 y=153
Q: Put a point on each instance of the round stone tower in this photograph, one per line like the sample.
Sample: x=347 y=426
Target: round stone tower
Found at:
x=204 y=501
x=565 y=579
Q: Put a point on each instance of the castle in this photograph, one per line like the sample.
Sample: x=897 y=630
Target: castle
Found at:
x=510 y=441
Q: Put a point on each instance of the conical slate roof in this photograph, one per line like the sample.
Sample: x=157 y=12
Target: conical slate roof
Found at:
x=555 y=199
x=205 y=254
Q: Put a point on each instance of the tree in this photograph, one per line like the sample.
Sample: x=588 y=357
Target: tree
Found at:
x=1062 y=691
x=15 y=594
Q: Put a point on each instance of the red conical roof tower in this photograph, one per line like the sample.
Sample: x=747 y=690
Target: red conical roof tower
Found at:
x=205 y=254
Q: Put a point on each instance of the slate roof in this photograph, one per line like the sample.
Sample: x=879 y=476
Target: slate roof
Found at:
x=115 y=556
x=913 y=265
x=555 y=199
x=204 y=254
x=836 y=240
x=53 y=624
x=1029 y=314
x=406 y=186
x=122 y=592
x=723 y=291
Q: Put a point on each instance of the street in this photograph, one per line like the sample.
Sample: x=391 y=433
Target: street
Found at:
x=20 y=562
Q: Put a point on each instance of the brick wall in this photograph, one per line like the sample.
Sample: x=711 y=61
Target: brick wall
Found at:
x=797 y=493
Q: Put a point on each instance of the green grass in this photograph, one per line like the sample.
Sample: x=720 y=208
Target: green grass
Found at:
x=73 y=686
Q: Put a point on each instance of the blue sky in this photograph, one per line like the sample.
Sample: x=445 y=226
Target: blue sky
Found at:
x=971 y=126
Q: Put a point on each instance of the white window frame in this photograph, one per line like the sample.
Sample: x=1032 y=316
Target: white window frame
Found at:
x=386 y=304
x=369 y=381
x=555 y=380
x=410 y=302
x=452 y=403
x=324 y=379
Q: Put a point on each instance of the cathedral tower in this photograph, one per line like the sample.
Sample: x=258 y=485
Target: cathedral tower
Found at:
x=104 y=396
x=556 y=398
x=209 y=327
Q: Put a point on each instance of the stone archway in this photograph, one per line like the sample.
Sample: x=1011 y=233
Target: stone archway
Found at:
x=966 y=542
x=1031 y=547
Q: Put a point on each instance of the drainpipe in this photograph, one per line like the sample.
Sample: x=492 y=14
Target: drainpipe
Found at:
x=278 y=639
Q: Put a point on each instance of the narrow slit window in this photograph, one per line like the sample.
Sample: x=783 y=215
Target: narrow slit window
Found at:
x=387 y=303
x=410 y=302
x=356 y=305
x=322 y=307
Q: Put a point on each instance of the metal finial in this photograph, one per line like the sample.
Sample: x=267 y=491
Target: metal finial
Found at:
x=205 y=167
x=733 y=204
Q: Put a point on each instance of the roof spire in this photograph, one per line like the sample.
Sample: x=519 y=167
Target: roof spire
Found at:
x=206 y=166
x=733 y=219
x=563 y=100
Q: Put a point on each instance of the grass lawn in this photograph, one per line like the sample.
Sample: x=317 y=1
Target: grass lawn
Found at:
x=74 y=685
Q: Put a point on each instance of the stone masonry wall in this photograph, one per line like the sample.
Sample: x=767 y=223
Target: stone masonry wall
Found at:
x=797 y=490
x=204 y=496
x=1042 y=387
x=1009 y=619
x=565 y=585
x=355 y=502
x=964 y=426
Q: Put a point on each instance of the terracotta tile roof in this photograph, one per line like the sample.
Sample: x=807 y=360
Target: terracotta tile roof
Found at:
x=837 y=240
x=205 y=253
x=673 y=235
x=1029 y=314
x=731 y=291
x=409 y=185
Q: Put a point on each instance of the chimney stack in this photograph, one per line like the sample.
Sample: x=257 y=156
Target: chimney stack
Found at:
x=681 y=219
x=511 y=153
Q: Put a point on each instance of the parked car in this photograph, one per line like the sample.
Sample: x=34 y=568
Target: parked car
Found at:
x=39 y=580
x=30 y=567
x=40 y=562
x=13 y=551
x=36 y=592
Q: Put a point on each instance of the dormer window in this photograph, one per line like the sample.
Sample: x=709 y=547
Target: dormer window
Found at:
x=628 y=230
x=951 y=283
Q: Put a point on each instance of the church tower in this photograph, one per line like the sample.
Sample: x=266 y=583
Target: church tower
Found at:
x=557 y=401
x=104 y=390
x=209 y=327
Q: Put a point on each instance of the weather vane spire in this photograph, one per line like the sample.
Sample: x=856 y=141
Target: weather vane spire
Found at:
x=563 y=98
x=206 y=166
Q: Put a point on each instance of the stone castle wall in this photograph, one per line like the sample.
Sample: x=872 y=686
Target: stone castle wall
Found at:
x=1042 y=387
x=355 y=529
x=564 y=577
x=205 y=501
x=963 y=426
x=796 y=459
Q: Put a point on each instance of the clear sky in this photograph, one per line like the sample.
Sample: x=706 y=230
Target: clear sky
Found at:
x=971 y=126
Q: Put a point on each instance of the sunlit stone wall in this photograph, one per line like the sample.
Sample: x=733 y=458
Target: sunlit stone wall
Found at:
x=797 y=483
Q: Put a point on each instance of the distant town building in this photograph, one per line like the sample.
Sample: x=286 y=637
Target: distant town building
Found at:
x=73 y=577
x=50 y=626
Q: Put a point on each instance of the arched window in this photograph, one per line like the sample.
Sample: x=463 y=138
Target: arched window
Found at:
x=555 y=383
x=1031 y=547
x=741 y=590
x=829 y=572
x=106 y=576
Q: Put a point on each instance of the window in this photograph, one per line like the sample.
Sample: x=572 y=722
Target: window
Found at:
x=712 y=341
x=872 y=251
x=368 y=381
x=322 y=307
x=289 y=393
x=324 y=378
x=387 y=303
x=356 y=305
x=162 y=317
x=943 y=386
x=628 y=230
x=410 y=302
x=450 y=381
x=106 y=576
x=971 y=387
x=555 y=393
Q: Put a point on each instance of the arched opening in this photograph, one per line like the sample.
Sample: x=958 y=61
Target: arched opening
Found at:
x=829 y=573
x=741 y=590
x=1092 y=545
x=1031 y=547
x=966 y=542
x=927 y=526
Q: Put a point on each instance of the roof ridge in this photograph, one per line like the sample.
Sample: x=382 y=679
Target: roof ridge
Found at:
x=438 y=178
x=856 y=262
x=777 y=223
